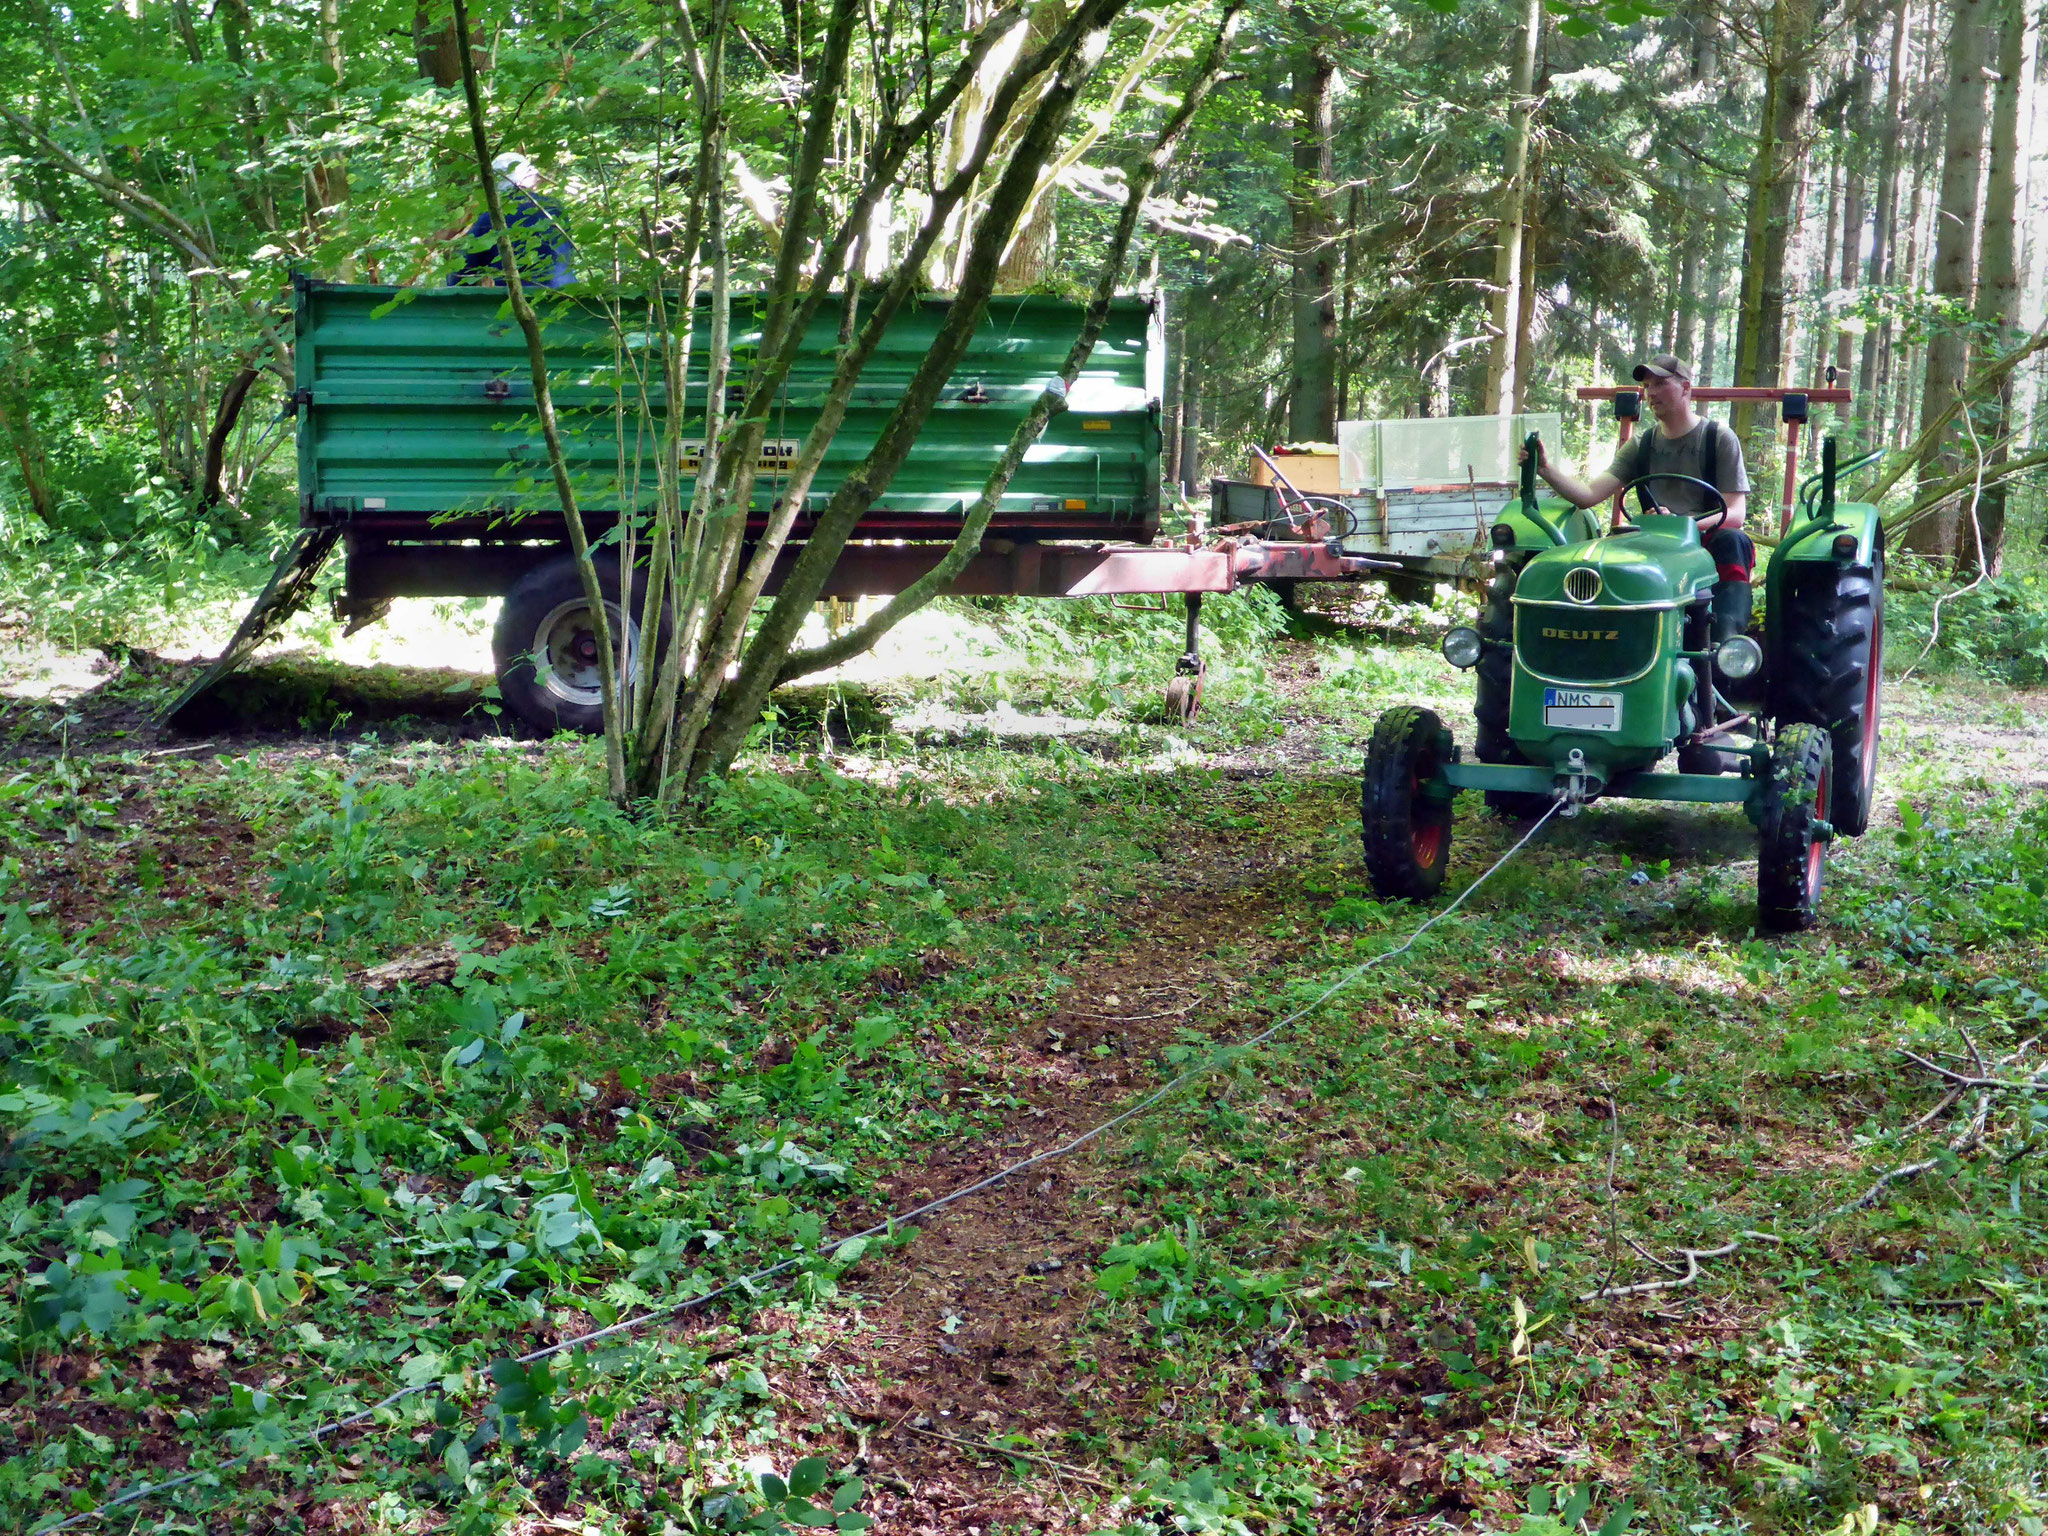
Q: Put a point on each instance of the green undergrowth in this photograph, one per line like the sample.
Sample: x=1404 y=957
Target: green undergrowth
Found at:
x=1995 y=630
x=1352 y=1288
x=325 y=1077
x=135 y=589
x=617 y=1063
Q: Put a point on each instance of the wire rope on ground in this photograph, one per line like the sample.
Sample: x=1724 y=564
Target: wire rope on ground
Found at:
x=748 y=1282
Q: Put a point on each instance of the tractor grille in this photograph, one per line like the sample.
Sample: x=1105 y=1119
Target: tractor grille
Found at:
x=1587 y=645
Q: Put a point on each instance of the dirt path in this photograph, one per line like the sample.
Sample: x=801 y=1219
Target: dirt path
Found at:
x=971 y=1331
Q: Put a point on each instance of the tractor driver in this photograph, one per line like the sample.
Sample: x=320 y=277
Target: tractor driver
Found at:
x=1683 y=443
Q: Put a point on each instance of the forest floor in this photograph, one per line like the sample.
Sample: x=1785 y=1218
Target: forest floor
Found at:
x=358 y=1047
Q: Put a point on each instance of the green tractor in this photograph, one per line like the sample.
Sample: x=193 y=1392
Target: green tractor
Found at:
x=1595 y=661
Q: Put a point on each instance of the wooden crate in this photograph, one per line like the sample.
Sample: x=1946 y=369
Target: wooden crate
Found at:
x=1313 y=474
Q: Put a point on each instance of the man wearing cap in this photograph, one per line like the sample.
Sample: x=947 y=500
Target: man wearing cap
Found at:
x=540 y=238
x=1683 y=443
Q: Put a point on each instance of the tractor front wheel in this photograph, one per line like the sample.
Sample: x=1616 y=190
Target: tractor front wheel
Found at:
x=1405 y=808
x=1792 y=853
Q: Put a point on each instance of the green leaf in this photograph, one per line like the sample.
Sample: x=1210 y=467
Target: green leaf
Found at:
x=773 y=1488
x=1578 y=26
x=1618 y=1522
x=804 y=1512
x=1576 y=1506
x=808 y=1476
x=1116 y=1279
x=853 y=1490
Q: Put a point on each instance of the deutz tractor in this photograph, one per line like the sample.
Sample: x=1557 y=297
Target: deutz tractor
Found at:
x=1595 y=660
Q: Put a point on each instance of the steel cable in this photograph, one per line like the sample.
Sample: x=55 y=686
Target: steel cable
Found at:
x=888 y=1225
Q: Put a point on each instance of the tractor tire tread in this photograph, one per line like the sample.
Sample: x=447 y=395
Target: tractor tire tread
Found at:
x=1800 y=758
x=1822 y=661
x=1408 y=743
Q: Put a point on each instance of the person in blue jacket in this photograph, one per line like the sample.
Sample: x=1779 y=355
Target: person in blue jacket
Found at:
x=540 y=235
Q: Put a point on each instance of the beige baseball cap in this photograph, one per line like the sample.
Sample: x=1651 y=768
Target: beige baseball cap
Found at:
x=1662 y=366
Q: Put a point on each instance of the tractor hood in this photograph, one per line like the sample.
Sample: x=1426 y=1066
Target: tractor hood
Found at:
x=1658 y=564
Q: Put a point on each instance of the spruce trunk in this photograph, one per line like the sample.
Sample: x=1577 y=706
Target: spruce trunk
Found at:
x=1955 y=229
x=1312 y=403
x=1508 y=297
x=1998 y=284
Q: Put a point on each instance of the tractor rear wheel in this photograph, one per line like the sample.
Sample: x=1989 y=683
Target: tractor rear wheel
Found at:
x=1829 y=660
x=1494 y=681
x=1407 y=828
x=1792 y=853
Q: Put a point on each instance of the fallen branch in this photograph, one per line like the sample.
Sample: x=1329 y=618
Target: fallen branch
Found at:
x=1692 y=1257
x=1988 y=377
x=2032 y=1084
x=1984 y=1081
x=991 y=1448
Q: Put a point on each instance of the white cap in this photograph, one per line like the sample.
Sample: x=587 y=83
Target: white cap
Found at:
x=515 y=170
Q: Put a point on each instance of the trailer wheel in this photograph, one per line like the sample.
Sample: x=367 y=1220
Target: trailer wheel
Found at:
x=1829 y=658
x=1406 y=820
x=1792 y=851
x=546 y=647
x=1494 y=680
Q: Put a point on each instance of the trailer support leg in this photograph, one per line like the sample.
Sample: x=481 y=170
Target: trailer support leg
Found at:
x=1184 y=693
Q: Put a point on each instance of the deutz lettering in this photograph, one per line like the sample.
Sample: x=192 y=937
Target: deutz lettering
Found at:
x=1580 y=634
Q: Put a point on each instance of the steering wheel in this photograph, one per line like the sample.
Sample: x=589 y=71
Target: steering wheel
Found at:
x=1650 y=504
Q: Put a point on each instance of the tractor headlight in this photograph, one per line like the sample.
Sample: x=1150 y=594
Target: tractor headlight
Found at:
x=1462 y=646
x=1739 y=657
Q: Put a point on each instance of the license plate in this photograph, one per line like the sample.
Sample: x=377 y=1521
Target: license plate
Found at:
x=1574 y=709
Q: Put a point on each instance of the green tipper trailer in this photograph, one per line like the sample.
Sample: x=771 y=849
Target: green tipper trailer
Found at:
x=420 y=458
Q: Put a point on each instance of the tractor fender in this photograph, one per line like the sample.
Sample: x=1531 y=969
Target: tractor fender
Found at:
x=1857 y=517
x=1576 y=524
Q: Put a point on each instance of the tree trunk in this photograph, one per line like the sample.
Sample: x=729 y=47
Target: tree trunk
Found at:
x=1962 y=174
x=1878 y=271
x=1312 y=403
x=1998 y=284
x=1855 y=177
x=1717 y=260
x=1508 y=297
x=1685 y=335
x=327 y=180
x=211 y=491
x=434 y=49
x=1773 y=185
x=1347 y=343
x=1899 y=390
x=1190 y=471
x=1824 y=270
x=1667 y=337
x=1525 y=339
x=1176 y=392
x=18 y=425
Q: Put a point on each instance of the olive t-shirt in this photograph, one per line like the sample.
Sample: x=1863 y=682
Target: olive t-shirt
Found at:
x=1710 y=452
